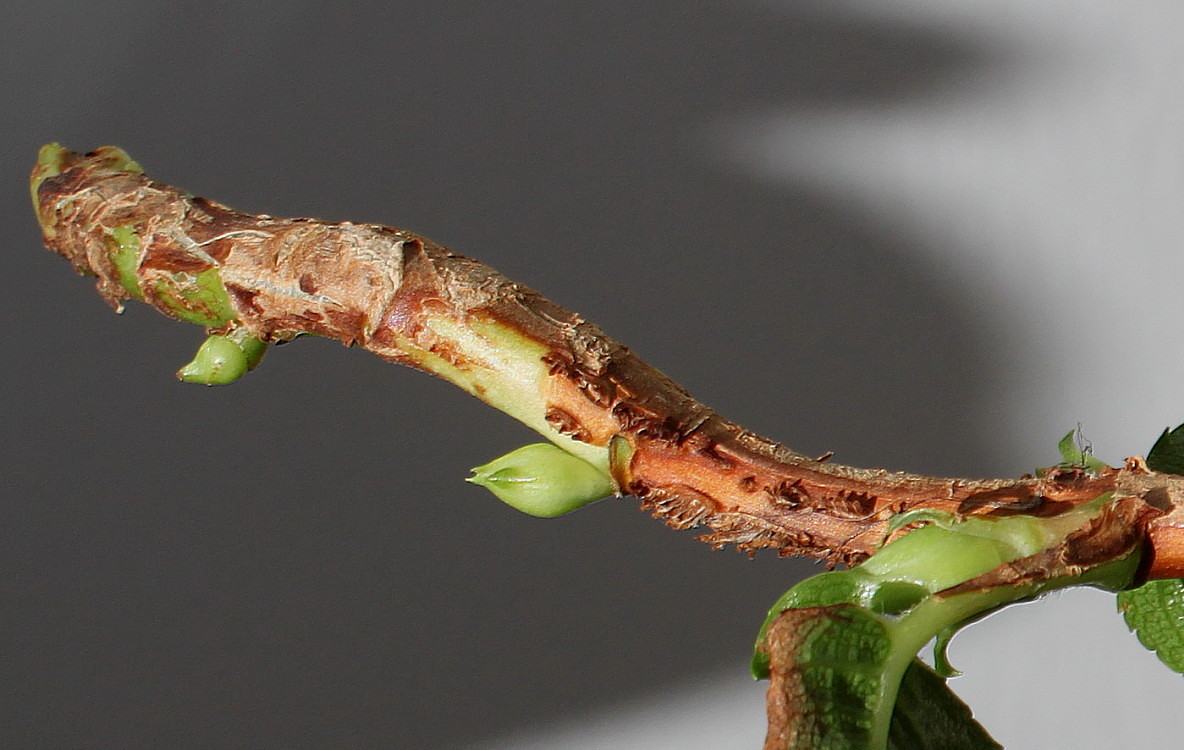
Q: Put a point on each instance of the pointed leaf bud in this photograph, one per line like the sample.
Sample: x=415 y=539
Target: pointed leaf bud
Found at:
x=218 y=361
x=543 y=480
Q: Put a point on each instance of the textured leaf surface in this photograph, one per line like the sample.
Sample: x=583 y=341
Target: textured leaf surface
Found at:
x=830 y=670
x=1155 y=612
x=827 y=678
x=929 y=716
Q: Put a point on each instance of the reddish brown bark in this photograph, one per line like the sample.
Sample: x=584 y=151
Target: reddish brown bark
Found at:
x=376 y=287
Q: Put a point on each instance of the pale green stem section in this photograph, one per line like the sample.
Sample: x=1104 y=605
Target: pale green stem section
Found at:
x=125 y=254
x=505 y=370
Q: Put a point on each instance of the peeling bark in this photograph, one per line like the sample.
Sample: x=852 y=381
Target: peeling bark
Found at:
x=410 y=301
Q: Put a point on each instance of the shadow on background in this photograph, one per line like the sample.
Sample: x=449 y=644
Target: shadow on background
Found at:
x=294 y=561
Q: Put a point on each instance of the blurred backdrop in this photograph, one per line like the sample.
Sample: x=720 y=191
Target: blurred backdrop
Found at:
x=926 y=236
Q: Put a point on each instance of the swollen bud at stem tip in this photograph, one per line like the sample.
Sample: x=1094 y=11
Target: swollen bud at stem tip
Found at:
x=54 y=158
x=543 y=480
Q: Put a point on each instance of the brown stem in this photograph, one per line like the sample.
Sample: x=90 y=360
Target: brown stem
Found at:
x=411 y=301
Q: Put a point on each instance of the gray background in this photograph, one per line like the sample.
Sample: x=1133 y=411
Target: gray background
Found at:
x=294 y=561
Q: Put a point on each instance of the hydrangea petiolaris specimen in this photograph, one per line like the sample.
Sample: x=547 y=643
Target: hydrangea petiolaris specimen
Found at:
x=629 y=429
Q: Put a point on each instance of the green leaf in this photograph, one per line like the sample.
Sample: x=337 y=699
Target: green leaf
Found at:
x=830 y=677
x=839 y=681
x=1073 y=454
x=1155 y=612
x=929 y=716
x=821 y=590
x=1167 y=455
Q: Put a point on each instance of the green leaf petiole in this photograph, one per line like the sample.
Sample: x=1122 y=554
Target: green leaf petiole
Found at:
x=903 y=597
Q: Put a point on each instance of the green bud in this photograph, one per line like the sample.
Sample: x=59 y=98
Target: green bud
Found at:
x=543 y=480
x=223 y=359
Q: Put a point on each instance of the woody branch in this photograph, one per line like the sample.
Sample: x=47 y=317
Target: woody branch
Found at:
x=408 y=300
